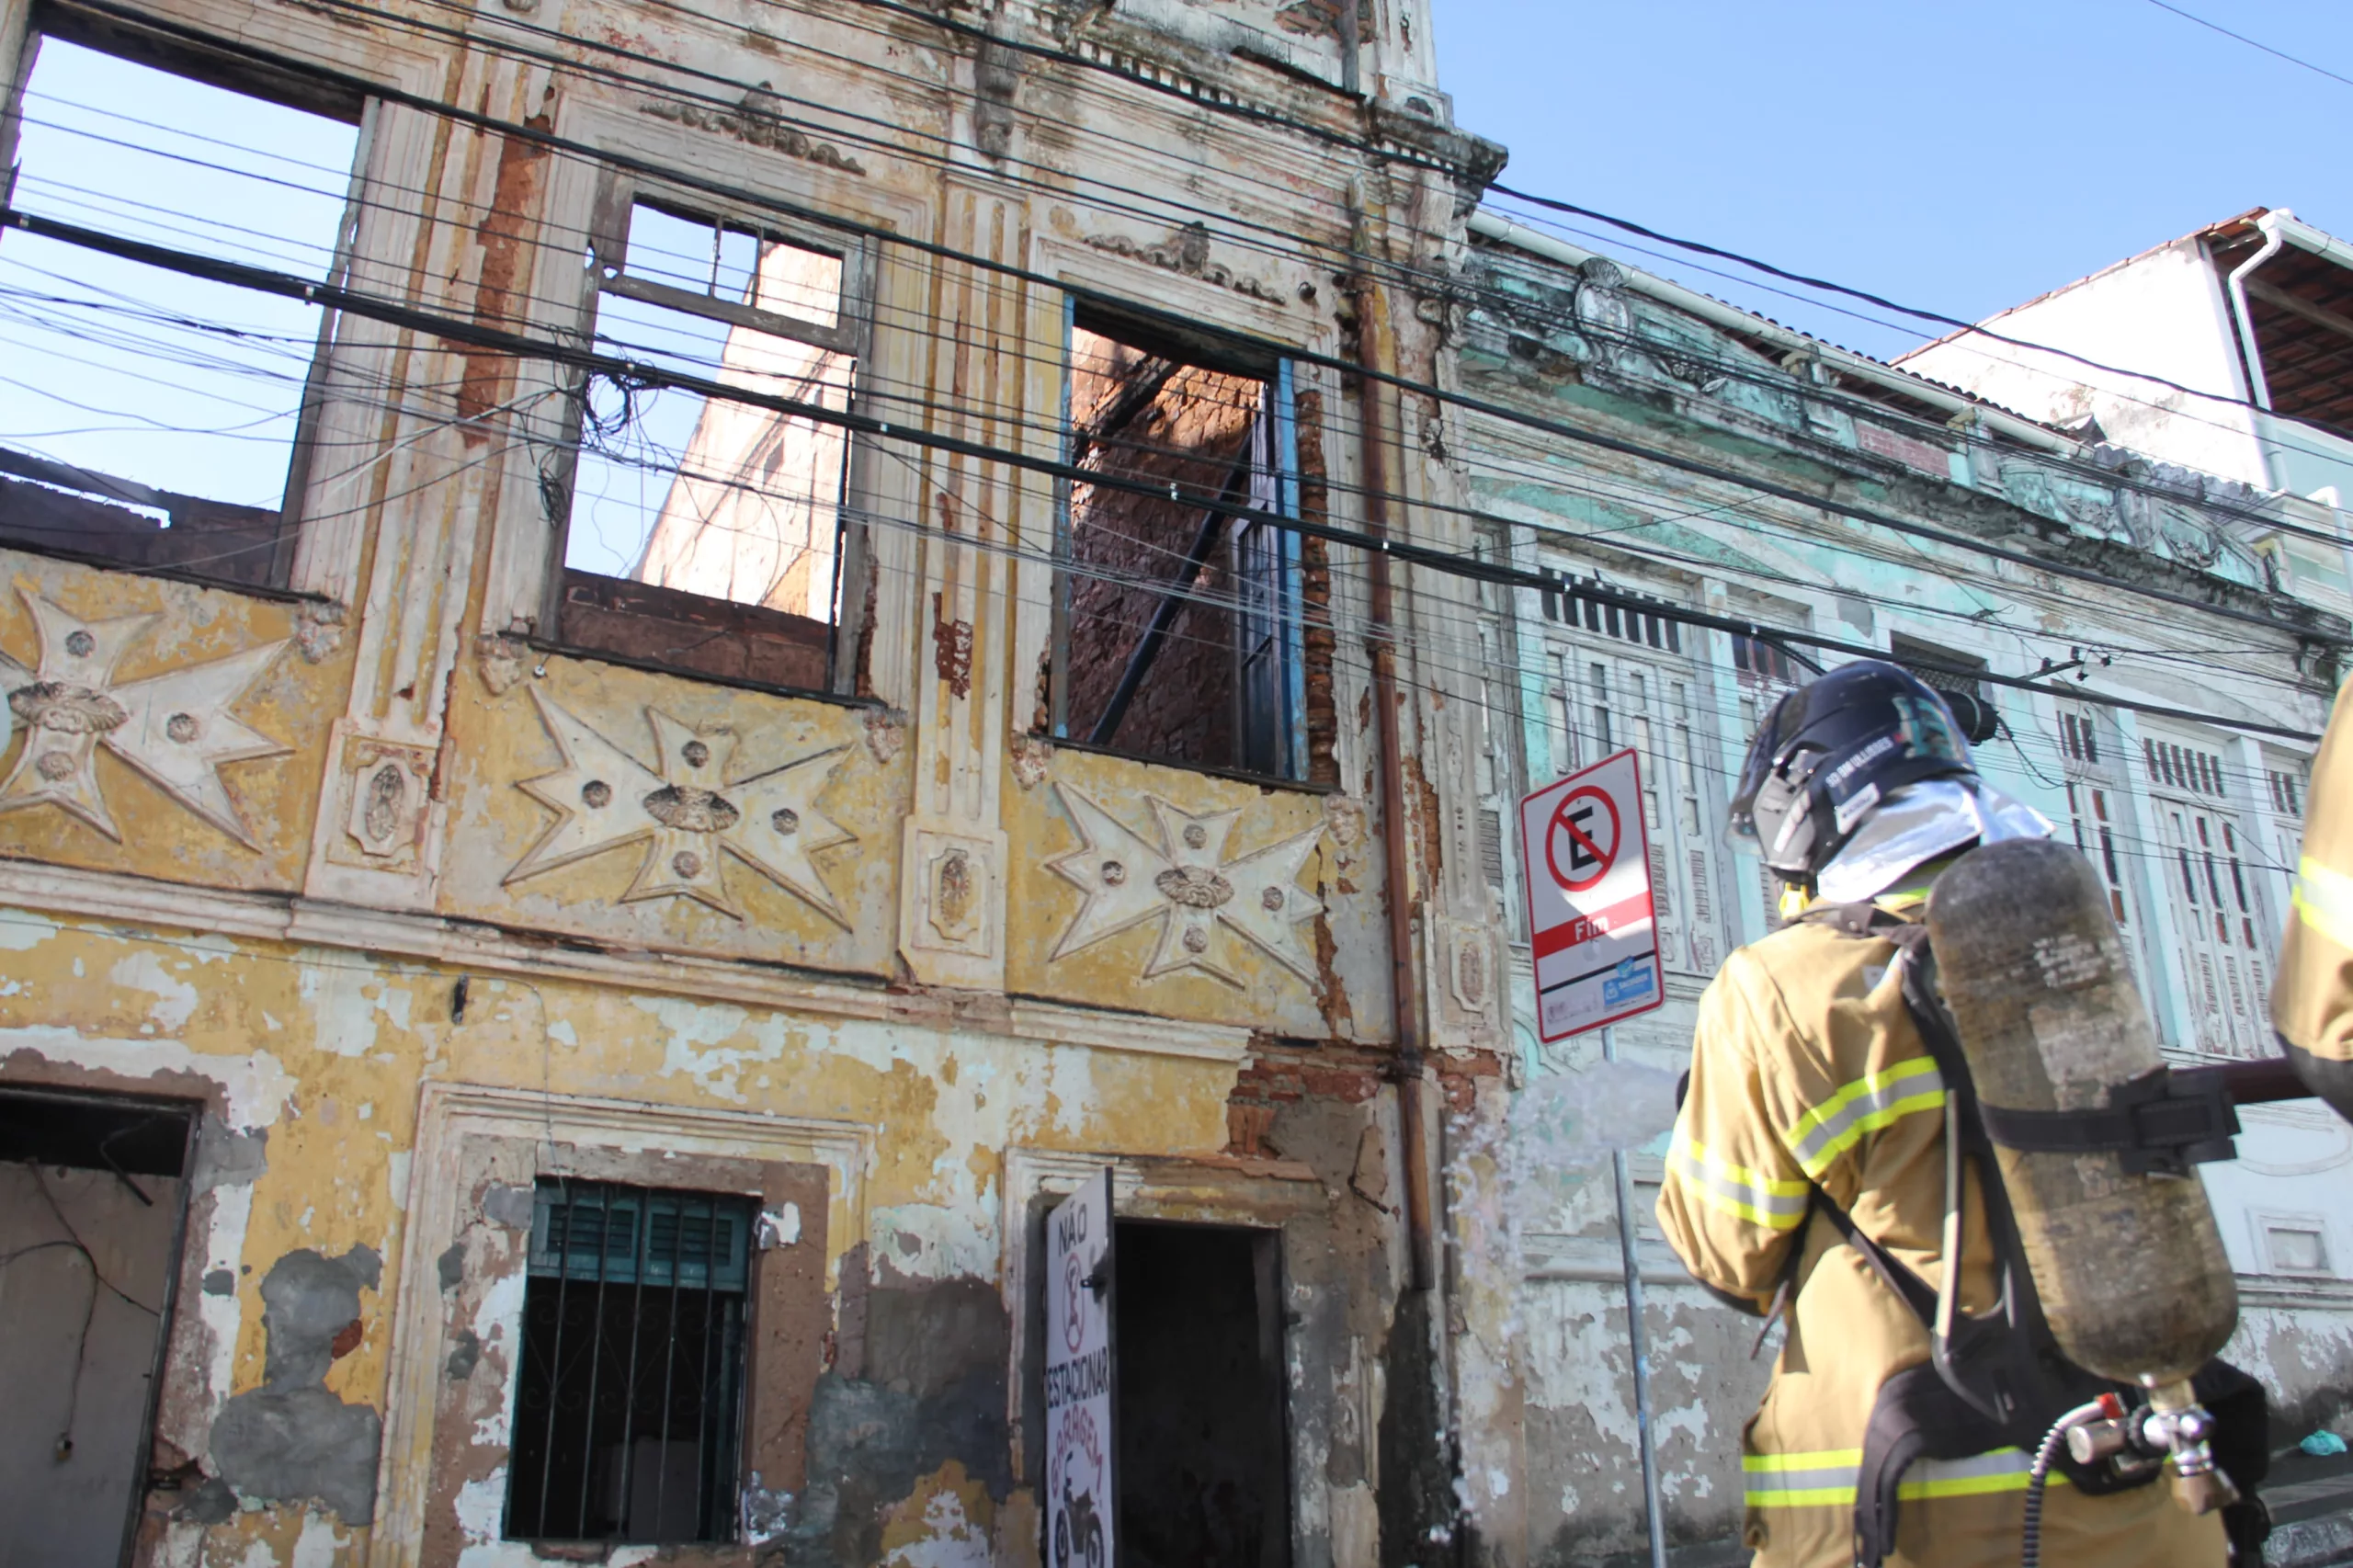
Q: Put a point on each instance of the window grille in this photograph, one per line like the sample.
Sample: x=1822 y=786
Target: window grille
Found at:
x=2185 y=768
x=629 y=1406
x=1568 y=605
x=1755 y=656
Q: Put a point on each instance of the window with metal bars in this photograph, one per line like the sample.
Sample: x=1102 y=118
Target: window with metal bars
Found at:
x=628 y=1405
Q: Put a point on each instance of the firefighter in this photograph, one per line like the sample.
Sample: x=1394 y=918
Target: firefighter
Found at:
x=2311 y=1001
x=1806 y=1177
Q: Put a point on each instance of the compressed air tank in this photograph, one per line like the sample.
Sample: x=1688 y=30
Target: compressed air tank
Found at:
x=2130 y=1268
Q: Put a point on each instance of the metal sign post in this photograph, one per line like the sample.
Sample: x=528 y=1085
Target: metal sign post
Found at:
x=1081 y=1501
x=1586 y=866
x=1637 y=1335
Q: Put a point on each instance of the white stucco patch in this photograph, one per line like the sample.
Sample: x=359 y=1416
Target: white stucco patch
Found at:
x=176 y=999
x=498 y=1320
x=713 y=1044
x=954 y=1542
x=344 y=999
x=481 y=1507
x=317 y=1545
x=923 y=1241
x=1070 y=1079
x=22 y=930
x=255 y=1086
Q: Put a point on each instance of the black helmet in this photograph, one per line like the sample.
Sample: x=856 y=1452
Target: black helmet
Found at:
x=1831 y=750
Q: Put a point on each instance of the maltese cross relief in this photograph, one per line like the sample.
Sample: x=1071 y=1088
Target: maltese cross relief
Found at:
x=684 y=809
x=173 y=727
x=1186 y=883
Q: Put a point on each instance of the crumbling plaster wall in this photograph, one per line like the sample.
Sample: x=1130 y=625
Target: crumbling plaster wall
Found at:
x=304 y=987
x=312 y=1059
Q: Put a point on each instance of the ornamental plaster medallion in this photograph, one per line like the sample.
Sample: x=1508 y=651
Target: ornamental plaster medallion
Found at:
x=685 y=811
x=175 y=728
x=1187 y=885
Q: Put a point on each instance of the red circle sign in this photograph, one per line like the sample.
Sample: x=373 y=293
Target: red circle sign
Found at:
x=1588 y=861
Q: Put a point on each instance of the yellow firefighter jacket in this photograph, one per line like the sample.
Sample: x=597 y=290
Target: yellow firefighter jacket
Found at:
x=2311 y=1001
x=1806 y=1069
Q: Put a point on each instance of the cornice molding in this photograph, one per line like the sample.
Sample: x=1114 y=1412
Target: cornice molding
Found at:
x=277 y=917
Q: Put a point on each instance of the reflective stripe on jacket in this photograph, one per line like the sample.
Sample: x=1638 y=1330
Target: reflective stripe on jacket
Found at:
x=1806 y=1070
x=2311 y=1001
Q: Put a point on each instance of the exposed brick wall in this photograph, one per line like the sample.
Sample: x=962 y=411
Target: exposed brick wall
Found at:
x=1317 y=638
x=1191 y=433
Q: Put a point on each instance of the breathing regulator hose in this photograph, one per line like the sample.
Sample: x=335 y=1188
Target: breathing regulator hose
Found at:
x=2106 y=1407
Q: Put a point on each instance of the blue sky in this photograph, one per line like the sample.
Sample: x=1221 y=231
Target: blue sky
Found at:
x=1958 y=157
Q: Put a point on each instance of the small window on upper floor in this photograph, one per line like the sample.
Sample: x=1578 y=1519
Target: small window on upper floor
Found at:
x=705 y=534
x=1971 y=699
x=150 y=418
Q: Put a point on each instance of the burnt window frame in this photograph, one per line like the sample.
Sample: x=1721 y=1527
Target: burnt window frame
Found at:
x=606 y=263
x=176 y=55
x=1205 y=349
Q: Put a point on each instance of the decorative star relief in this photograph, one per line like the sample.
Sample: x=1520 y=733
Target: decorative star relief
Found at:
x=685 y=811
x=1187 y=885
x=173 y=727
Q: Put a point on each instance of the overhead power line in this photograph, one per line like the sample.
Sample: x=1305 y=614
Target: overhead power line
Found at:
x=628 y=371
x=2253 y=43
x=1974 y=329
x=1407 y=275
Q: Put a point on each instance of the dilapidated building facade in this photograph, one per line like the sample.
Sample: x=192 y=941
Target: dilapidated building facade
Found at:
x=669 y=665
x=756 y=719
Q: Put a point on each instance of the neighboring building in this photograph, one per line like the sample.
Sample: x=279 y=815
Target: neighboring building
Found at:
x=2228 y=351
x=2191 y=823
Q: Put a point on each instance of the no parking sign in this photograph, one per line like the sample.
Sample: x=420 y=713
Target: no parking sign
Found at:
x=1586 y=865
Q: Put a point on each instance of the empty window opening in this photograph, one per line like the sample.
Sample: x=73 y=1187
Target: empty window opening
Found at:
x=629 y=1404
x=1179 y=634
x=705 y=534
x=150 y=418
x=1970 y=700
x=91 y=1202
x=1203 y=1477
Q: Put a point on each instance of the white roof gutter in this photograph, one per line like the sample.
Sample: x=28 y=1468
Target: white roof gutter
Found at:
x=1496 y=226
x=2303 y=236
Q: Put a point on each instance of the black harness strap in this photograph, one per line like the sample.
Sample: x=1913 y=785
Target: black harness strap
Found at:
x=2156 y=1122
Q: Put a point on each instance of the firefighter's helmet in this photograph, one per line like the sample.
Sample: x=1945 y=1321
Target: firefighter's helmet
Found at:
x=1831 y=751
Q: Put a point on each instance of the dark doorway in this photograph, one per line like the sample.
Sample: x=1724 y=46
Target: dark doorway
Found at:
x=1203 y=1474
x=92 y=1202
